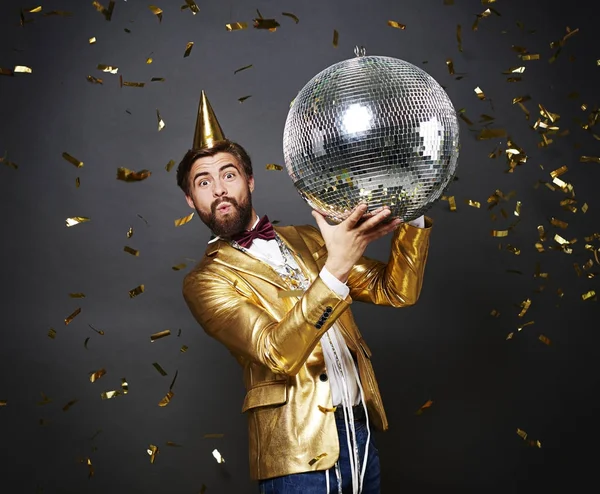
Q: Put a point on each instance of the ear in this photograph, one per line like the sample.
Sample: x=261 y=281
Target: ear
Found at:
x=251 y=184
x=190 y=201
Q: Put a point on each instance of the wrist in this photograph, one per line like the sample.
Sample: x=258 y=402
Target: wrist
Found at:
x=339 y=272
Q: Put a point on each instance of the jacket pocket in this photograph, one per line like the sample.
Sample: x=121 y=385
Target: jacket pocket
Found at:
x=320 y=252
x=268 y=393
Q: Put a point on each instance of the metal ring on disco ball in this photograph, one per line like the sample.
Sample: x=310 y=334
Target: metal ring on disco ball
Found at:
x=375 y=129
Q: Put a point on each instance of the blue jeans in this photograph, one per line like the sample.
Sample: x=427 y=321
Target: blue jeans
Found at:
x=315 y=482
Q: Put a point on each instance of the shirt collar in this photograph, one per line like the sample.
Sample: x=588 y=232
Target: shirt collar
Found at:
x=214 y=237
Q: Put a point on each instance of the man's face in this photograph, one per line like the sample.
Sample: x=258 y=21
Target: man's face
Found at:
x=221 y=194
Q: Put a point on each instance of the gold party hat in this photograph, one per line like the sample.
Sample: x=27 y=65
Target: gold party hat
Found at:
x=208 y=131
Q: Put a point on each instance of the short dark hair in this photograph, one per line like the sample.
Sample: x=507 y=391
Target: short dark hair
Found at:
x=223 y=146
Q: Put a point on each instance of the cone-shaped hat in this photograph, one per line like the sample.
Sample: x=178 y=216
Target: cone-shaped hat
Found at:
x=208 y=131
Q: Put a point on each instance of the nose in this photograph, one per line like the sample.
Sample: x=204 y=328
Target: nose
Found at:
x=219 y=189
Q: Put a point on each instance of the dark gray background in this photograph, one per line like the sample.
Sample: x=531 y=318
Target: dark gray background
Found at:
x=447 y=348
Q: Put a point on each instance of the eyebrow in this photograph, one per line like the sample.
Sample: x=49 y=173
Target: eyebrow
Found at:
x=224 y=167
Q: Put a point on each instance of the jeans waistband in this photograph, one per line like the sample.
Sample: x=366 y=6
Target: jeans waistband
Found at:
x=358 y=411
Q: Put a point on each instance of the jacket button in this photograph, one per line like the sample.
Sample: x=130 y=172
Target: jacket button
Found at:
x=323 y=377
x=328 y=309
x=319 y=325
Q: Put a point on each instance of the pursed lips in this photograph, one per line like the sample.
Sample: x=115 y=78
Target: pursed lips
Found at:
x=223 y=206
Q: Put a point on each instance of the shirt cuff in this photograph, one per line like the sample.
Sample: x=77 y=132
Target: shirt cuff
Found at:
x=335 y=285
x=419 y=222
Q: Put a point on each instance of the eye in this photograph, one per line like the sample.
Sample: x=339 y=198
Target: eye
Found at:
x=202 y=182
x=230 y=174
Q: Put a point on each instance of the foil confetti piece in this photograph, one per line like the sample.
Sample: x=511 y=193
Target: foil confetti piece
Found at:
x=173 y=444
x=218 y=456
x=22 y=69
x=530 y=56
x=269 y=24
x=327 y=410
x=94 y=376
x=8 y=72
x=499 y=233
x=246 y=67
x=160 y=334
x=525 y=307
x=152 y=452
x=495 y=313
x=450 y=65
x=161 y=371
x=517 y=211
x=515 y=70
x=183 y=348
x=94 y=80
x=77 y=295
x=130 y=83
x=72 y=316
x=273 y=167
x=188 y=49
x=99 y=331
x=3 y=403
x=236 y=26
x=529 y=323
x=72 y=160
x=558 y=223
x=544 y=339
x=179 y=266
x=589 y=295
x=127 y=175
x=92 y=40
x=110 y=69
x=161 y=123
x=291 y=16
x=157 y=11
x=69 y=405
x=166 y=400
x=479 y=92
x=86 y=342
x=52 y=333
x=396 y=25
x=243 y=98
x=169 y=166
x=214 y=436
x=336 y=38
x=109 y=395
x=157 y=79
x=192 y=6
x=317 y=458
x=184 y=220
x=589 y=159
x=136 y=291
x=45 y=400
x=131 y=251
x=426 y=405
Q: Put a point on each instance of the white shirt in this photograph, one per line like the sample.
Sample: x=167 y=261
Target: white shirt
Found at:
x=268 y=251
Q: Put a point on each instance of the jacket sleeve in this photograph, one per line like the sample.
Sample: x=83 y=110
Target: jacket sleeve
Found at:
x=248 y=330
x=396 y=283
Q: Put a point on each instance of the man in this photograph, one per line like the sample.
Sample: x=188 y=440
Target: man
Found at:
x=278 y=299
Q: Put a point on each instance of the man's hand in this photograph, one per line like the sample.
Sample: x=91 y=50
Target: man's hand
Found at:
x=347 y=241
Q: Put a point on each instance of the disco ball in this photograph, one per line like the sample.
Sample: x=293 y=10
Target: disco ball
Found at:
x=375 y=129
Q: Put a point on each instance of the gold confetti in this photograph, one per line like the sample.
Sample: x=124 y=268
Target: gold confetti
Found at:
x=243 y=98
x=86 y=342
x=514 y=70
x=72 y=316
x=214 y=436
x=94 y=376
x=156 y=11
x=274 y=167
x=157 y=79
x=427 y=404
x=172 y=444
x=192 y=6
x=92 y=40
x=495 y=313
x=161 y=123
x=584 y=208
x=8 y=72
x=532 y=56
x=184 y=220
x=290 y=293
x=72 y=160
x=183 y=348
x=513 y=249
x=157 y=366
x=108 y=395
x=236 y=26
x=292 y=16
x=99 y=331
x=336 y=38
x=499 y=233
x=396 y=25
x=559 y=223
x=525 y=307
x=327 y=410
x=588 y=295
x=480 y=94
x=69 y=405
x=152 y=452
x=127 y=175
x=166 y=400
x=459 y=37
x=131 y=84
x=270 y=24
x=179 y=267
x=450 y=65
x=94 y=80
x=218 y=456
x=136 y=291
x=473 y=204
x=22 y=69
x=529 y=323
x=188 y=49
x=160 y=334
x=111 y=69
x=491 y=134
x=452 y=203
x=242 y=68
x=131 y=251
x=464 y=117
x=3 y=403
x=317 y=458
x=589 y=159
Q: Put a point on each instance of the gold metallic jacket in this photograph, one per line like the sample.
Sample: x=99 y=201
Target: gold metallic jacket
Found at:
x=237 y=300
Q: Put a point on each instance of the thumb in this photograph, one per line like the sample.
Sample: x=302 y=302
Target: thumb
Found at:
x=318 y=217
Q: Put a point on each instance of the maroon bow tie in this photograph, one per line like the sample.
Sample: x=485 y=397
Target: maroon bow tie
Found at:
x=263 y=230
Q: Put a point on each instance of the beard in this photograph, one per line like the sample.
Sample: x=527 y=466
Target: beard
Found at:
x=232 y=223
